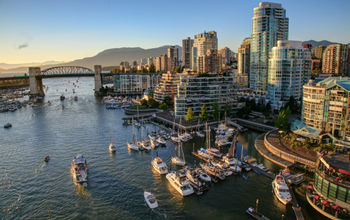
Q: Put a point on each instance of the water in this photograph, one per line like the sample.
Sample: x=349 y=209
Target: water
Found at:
x=31 y=189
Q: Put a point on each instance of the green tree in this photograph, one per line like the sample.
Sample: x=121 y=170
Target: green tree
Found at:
x=216 y=109
x=168 y=100
x=281 y=121
x=204 y=113
x=227 y=110
x=152 y=103
x=178 y=69
x=189 y=115
x=163 y=106
x=143 y=102
x=152 y=68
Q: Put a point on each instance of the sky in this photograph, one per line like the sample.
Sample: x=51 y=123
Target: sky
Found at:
x=65 y=30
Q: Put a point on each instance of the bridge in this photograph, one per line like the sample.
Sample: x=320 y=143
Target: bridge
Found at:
x=34 y=80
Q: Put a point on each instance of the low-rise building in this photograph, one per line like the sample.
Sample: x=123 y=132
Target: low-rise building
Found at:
x=326 y=107
x=193 y=91
x=135 y=83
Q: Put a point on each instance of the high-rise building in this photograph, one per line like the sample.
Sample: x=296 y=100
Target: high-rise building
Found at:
x=326 y=107
x=289 y=69
x=226 y=55
x=270 y=24
x=202 y=43
x=336 y=60
x=210 y=62
x=187 y=45
x=318 y=52
x=173 y=58
x=164 y=63
x=157 y=61
x=243 y=62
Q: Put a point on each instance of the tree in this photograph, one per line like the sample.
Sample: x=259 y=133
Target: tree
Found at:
x=293 y=105
x=281 y=121
x=143 y=102
x=168 y=100
x=216 y=109
x=227 y=110
x=152 y=103
x=189 y=115
x=163 y=106
x=152 y=68
x=204 y=113
x=178 y=69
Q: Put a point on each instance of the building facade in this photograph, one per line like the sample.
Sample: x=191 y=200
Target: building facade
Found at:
x=289 y=69
x=167 y=86
x=210 y=62
x=336 y=60
x=227 y=56
x=326 y=107
x=270 y=24
x=243 y=62
x=173 y=58
x=194 y=91
x=187 y=45
x=135 y=83
x=318 y=52
x=203 y=42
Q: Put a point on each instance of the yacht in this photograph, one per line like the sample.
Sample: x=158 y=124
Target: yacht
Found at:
x=159 y=165
x=180 y=183
x=79 y=169
x=281 y=190
x=150 y=200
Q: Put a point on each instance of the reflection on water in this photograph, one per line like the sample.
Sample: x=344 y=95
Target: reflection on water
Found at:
x=31 y=189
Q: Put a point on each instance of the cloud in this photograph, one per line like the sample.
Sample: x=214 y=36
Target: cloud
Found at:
x=21 y=46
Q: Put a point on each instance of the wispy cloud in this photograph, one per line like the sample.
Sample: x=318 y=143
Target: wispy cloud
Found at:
x=21 y=46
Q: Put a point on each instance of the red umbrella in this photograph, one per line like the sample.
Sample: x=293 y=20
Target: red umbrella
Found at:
x=309 y=187
x=325 y=202
x=317 y=197
x=336 y=207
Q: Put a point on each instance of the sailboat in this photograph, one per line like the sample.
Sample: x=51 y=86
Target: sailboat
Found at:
x=203 y=152
x=179 y=158
x=198 y=133
x=132 y=145
x=111 y=146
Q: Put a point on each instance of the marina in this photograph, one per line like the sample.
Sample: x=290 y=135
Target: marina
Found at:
x=117 y=181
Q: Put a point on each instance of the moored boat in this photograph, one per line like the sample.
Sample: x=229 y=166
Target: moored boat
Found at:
x=180 y=183
x=159 y=165
x=281 y=189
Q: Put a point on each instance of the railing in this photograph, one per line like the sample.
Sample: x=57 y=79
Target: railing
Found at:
x=285 y=155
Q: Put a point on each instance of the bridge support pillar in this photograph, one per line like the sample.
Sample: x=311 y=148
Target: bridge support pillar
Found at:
x=98 y=78
x=35 y=82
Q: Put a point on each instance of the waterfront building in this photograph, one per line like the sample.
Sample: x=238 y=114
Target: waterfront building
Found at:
x=193 y=91
x=289 y=69
x=336 y=60
x=326 y=108
x=135 y=83
x=270 y=24
x=187 y=45
x=167 y=86
x=243 y=63
x=329 y=194
x=210 y=62
x=203 y=42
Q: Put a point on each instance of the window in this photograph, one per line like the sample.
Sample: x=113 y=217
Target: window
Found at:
x=341 y=193
x=325 y=187
x=332 y=191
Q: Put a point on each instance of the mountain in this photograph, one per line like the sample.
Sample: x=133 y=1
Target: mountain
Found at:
x=319 y=43
x=109 y=57
x=12 y=66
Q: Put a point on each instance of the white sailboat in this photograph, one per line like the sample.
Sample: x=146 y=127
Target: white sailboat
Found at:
x=179 y=158
x=111 y=147
x=132 y=145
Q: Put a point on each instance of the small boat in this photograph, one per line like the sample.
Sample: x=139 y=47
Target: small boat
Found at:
x=154 y=143
x=202 y=152
x=159 y=165
x=62 y=97
x=79 y=169
x=252 y=212
x=150 y=200
x=8 y=125
x=203 y=176
x=46 y=158
x=281 y=190
x=175 y=139
x=180 y=183
x=146 y=145
x=199 y=134
x=296 y=179
x=161 y=141
x=133 y=147
x=112 y=148
x=262 y=167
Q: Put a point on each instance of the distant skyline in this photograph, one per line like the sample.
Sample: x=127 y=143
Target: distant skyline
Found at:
x=65 y=30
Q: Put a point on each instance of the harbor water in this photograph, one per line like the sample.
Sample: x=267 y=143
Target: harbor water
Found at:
x=32 y=189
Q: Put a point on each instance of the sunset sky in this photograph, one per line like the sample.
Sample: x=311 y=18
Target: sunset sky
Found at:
x=64 y=30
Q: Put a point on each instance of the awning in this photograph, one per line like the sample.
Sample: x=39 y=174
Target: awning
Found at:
x=309 y=187
x=325 y=202
x=317 y=197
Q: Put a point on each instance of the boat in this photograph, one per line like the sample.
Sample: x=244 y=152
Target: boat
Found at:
x=203 y=176
x=161 y=141
x=150 y=199
x=8 y=125
x=196 y=183
x=62 y=97
x=281 y=189
x=262 y=167
x=175 y=139
x=47 y=158
x=213 y=171
x=199 y=134
x=214 y=152
x=111 y=146
x=159 y=165
x=153 y=142
x=179 y=158
x=79 y=169
x=132 y=145
x=296 y=179
x=203 y=153
x=146 y=145
x=180 y=183
x=257 y=215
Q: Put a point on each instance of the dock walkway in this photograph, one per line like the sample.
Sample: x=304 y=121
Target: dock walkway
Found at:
x=260 y=147
x=296 y=208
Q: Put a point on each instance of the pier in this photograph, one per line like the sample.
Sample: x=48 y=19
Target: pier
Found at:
x=296 y=208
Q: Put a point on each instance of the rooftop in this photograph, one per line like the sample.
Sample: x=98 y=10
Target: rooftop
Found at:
x=343 y=82
x=339 y=161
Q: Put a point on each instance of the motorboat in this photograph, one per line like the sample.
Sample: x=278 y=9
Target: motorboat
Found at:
x=203 y=153
x=231 y=161
x=8 y=125
x=132 y=146
x=214 y=152
x=154 y=143
x=257 y=215
x=199 y=134
x=79 y=169
x=203 y=176
x=62 y=97
x=296 y=179
x=112 y=148
x=161 y=141
x=180 y=183
x=211 y=170
x=146 y=145
x=281 y=189
x=151 y=200
x=159 y=165
x=236 y=168
x=47 y=158
x=262 y=167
